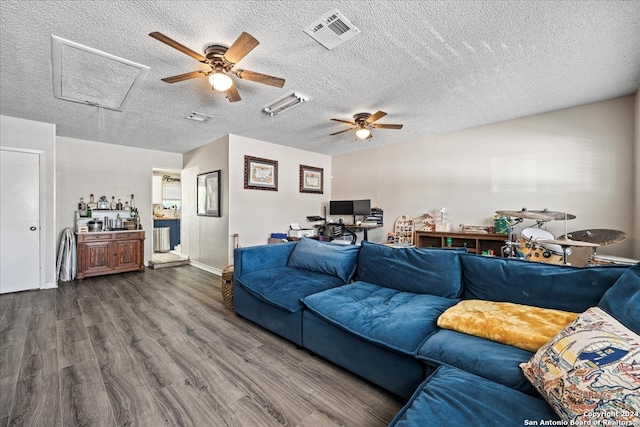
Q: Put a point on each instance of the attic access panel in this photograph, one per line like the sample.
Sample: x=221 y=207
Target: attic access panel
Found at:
x=89 y=76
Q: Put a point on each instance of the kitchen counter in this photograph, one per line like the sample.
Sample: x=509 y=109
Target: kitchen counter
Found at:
x=104 y=232
x=166 y=219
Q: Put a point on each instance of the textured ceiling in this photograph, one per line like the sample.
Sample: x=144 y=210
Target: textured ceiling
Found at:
x=434 y=66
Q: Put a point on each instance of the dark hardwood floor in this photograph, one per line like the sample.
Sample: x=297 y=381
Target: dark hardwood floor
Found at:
x=158 y=348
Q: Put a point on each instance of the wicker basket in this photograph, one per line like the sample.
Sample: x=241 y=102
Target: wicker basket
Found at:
x=227 y=287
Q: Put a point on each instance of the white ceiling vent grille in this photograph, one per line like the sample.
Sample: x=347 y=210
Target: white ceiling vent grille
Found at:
x=89 y=76
x=332 y=29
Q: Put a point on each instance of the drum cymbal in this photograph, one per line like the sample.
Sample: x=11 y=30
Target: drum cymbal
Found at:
x=602 y=237
x=558 y=216
x=569 y=242
x=526 y=214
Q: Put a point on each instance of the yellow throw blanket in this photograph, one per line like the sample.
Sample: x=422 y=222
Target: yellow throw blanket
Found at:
x=521 y=326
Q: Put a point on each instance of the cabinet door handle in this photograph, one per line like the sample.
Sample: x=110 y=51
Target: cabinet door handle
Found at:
x=33 y=228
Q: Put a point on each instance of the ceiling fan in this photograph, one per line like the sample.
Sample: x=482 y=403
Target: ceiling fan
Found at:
x=363 y=122
x=221 y=59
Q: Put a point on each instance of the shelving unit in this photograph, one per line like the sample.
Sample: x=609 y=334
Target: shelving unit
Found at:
x=404 y=230
x=475 y=243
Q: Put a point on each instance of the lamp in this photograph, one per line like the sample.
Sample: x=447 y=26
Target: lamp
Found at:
x=220 y=81
x=285 y=103
x=363 y=133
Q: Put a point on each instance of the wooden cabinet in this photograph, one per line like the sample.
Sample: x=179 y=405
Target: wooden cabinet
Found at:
x=109 y=252
x=475 y=243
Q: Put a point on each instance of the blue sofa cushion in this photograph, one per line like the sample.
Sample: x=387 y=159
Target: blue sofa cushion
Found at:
x=284 y=286
x=417 y=270
x=452 y=397
x=397 y=320
x=622 y=301
x=544 y=285
x=312 y=255
x=487 y=359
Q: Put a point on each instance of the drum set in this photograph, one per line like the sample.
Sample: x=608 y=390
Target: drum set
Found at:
x=538 y=244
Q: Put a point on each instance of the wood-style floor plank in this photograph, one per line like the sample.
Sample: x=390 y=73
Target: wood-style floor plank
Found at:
x=111 y=352
x=133 y=401
x=83 y=397
x=182 y=405
x=159 y=348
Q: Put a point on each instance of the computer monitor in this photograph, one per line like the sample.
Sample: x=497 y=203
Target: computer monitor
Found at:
x=341 y=207
x=362 y=207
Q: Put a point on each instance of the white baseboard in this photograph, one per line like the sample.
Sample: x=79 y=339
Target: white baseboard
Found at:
x=206 y=267
x=50 y=285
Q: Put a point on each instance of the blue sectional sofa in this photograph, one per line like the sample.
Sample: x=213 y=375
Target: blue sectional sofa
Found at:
x=374 y=310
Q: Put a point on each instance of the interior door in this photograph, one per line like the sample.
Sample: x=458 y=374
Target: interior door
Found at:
x=19 y=221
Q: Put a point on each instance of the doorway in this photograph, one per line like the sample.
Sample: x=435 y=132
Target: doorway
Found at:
x=167 y=217
x=20 y=221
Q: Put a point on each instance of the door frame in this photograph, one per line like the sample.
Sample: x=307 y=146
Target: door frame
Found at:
x=41 y=211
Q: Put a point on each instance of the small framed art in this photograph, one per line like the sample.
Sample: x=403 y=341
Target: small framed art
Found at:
x=311 y=179
x=260 y=174
x=209 y=193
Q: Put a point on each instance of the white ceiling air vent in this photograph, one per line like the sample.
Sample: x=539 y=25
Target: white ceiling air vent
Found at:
x=199 y=117
x=332 y=29
x=89 y=76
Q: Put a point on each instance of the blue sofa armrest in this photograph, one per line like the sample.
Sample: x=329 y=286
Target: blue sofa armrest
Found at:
x=254 y=258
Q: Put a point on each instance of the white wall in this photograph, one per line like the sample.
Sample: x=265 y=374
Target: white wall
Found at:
x=578 y=160
x=206 y=239
x=253 y=214
x=85 y=167
x=38 y=136
x=258 y=213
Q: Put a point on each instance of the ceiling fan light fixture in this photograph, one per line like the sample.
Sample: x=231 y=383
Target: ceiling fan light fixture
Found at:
x=363 y=133
x=220 y=81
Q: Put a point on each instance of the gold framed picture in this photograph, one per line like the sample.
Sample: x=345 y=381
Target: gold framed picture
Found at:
x=260 y=174
x=311 y=179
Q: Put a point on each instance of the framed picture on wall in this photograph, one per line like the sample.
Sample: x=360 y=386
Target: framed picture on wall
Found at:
x=311 y=179
x=260 y=174
x=209 y=193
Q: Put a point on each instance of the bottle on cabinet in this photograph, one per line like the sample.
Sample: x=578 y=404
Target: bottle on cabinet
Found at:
x=132 y=203
x=119 y=205
x=92 y=203
x=113 y=203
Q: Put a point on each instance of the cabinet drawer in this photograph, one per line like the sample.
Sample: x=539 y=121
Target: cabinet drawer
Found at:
x=95 y=237
x=131 y=235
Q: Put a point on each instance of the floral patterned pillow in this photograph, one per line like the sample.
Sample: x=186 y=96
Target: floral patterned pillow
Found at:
x=590 y=371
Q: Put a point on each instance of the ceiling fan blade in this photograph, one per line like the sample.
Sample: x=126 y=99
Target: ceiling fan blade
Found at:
x=342 y=131
x=174 y=44
x=344 y=121
x=185 y=76
x=376 y=116
x=240 y=48
x=385 y=126
x=232 y=94
x=260 y=78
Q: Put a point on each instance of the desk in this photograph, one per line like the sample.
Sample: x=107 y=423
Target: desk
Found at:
x=363 y=228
